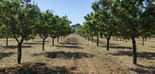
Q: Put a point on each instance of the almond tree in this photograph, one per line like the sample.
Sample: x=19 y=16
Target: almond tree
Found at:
x=107 y=22
x=21 y=18
x=131 y=14
x=43 y=28
x=4 y=29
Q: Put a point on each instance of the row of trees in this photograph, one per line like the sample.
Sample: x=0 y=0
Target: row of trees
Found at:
x=22 y=20
x=125 y=19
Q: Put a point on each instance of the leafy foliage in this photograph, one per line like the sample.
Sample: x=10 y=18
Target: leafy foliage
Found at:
x=23 y=20
x=127 y=19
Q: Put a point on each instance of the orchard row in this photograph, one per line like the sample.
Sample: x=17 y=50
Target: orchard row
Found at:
x=22 y=20
x=124 y=19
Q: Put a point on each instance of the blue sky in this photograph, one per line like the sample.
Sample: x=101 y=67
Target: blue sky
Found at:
x=74 y=9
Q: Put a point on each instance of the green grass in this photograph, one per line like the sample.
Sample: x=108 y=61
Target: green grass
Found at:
x=40 y=59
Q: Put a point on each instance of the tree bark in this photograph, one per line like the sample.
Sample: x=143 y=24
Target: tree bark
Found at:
x=134 y=51
x=108 y=39
x=143 y=41
x=58 y=39
x=61 y=38
x=7 y=36
x=88 y=38
x=6 y=41
x=97 y=41
x=19 y=52
x=43 y=44
x=53 y=41
x=19 y=48
x=92 y=38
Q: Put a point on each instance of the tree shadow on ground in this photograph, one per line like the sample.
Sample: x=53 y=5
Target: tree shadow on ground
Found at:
x=70 y=47
x=38 y=54
x=152 y=46
x=69 y=43
x=142 y=71
x=68 y=55
x=147 y=55
x=118 y=47
x=74 y=40
x=40 y=41
x=150 y=67
x=150 y=41
x=15 y=46
x=32 y=43
x=36 y=68
x=2 y=55
x=102 y=43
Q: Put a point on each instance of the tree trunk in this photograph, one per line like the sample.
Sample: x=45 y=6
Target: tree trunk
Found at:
x=134 y=51
x=6 y=41
x=92 y=38
x=43 y=44
x=108 y=39
x=143 y=41
x=61 y=38
x=53 y=41
x=58 y=39
x=108 y=42
x=88 y=38
x=97 y=41
x=126 y=41
x=19 y=52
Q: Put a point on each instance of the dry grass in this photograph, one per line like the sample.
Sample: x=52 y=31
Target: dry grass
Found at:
x=121 y=53
x=75 y=55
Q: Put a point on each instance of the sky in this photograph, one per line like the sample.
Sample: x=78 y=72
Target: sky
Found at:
x=74 y=9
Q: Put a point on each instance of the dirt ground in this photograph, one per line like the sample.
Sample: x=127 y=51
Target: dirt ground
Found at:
x=75 y=55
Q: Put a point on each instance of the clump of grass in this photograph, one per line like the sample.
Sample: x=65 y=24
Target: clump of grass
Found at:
x=40 y=59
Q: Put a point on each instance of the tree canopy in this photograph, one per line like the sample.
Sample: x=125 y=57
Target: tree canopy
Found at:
x=125 y=19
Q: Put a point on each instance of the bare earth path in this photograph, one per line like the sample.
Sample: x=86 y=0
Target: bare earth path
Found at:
x=75 y=55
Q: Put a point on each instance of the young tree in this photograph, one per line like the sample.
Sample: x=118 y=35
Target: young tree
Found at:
x=106 y=20
x=65 y=28
x=21 y=18
x=54 y=28
x=43 y=28
x=147 y=21
x=130 y=13
x=5 y=13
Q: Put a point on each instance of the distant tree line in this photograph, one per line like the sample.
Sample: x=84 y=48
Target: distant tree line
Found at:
x=75 y=27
